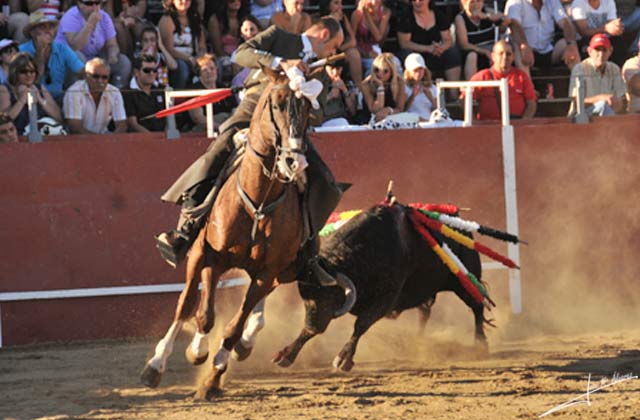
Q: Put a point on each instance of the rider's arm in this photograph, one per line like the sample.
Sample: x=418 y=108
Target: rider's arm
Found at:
x=256 y=51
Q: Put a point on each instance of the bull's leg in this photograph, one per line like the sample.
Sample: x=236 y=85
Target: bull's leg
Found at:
x=424 y=313
x=155 y=367
x=198 y=351
x=254 y=325
x=344 y=359
x=317 y=319
x=212 y=385
x=478 y=314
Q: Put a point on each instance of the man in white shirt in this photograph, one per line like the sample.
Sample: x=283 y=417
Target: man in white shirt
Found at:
x=599 y=17
x=90 y=104
x=538 y=19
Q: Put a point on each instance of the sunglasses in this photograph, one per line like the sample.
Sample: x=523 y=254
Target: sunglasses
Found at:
x=91 y=3
x=99 y=76
x=27 y=71
x=148 y=70
x=378 y=70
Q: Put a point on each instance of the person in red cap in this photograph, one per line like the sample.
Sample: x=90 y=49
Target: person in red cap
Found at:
x=604 y=90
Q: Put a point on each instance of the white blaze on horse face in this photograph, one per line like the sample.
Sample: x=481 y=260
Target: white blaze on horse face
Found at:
x=254 y=324
x=200 y=344
x=165 y=347
x=292 y=164
x=222 y=358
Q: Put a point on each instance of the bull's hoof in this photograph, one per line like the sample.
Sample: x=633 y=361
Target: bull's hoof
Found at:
x=343 y=364
x=150 y=377
x=281 y=360
x=481 y=348
x=207 y=394
x=193 y=359
x=240 y=352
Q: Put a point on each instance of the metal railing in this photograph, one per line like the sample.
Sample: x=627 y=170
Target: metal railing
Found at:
x=170 y=94
x=467 y=87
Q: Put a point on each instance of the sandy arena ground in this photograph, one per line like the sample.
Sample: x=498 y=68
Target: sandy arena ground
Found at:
x=400 y=372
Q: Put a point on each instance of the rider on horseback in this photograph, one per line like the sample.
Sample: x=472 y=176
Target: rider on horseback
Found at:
x=279 y=50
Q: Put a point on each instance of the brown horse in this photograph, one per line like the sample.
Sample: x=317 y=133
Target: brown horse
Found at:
x=256 y=224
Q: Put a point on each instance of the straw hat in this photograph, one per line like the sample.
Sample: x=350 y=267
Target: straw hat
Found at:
x=38 y=18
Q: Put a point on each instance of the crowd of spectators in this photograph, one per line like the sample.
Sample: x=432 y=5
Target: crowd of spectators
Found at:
x=102 y=66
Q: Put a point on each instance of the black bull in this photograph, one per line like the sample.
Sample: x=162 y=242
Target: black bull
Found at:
x=393 y=269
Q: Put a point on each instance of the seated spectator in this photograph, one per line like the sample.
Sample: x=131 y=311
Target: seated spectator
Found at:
x=146 y=96
x=127 y=19
x=419 y=88
x=538 y=20
x=208 y=74
x=151 y=45
x=522 y=97
x=604 y=89
x=22 y=77
x=249 y=27
x=426 y=31
x=224 y=31
x=337 y=102
x=333 y=8
x=631 y=24
x=599 y=17
x=476 y=34
x=264 y=9
x=8 y=132
x=56 y=62
x=631 y=76
x=183 y=37
x=91 y=104
x=370 y=21
x=8 y=48
x=89 y=30
x=383 y=90
x=292 y=18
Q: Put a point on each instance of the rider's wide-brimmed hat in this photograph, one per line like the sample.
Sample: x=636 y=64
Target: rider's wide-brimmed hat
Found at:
x=38 y=18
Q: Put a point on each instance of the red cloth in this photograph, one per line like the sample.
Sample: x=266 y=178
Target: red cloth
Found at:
x=520 y=90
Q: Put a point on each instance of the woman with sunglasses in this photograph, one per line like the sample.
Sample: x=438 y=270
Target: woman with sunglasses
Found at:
x=426 y=31
x=383 y=89
x=14 y=95
x=8 y=48
x=370 y=21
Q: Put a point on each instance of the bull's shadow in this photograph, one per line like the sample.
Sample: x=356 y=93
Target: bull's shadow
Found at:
x=625 y=362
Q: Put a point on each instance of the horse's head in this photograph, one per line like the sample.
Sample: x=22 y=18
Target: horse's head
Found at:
x=284 y=121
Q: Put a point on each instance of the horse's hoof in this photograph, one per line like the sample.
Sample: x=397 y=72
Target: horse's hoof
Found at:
x=150 y=376
x=344 y=365
x=280 y=360
x=207 y=394
x=193 y=359
x=240 y=352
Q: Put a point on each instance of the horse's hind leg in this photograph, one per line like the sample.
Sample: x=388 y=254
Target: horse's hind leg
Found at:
x=198 y=351
x=155 y=367
x=212 y=385
x=255 y=323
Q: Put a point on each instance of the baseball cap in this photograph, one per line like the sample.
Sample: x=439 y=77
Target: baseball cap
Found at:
x=600 y=40
x=414 y=61
x=4 y=43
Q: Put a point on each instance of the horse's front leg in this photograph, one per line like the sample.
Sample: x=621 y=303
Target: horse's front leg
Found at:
x=212 y=385
x=155 y=367
x=198 y=351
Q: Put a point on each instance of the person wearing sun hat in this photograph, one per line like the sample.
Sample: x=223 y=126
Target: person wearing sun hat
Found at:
x=55 y=61
x=604 y=89
x=8 y=48
x=419 y=87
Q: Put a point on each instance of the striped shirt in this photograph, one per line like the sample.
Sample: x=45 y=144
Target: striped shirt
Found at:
x=79 y=105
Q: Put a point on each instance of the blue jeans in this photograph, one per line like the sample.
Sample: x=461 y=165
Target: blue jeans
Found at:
x=600 y=109
x=179 y=77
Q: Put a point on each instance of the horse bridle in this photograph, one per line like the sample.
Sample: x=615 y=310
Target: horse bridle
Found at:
x=282 y=154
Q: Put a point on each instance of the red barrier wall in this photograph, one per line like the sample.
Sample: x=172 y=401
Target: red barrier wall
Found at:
x=81 y=212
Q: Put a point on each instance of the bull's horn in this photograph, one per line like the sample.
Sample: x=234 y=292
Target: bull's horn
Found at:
x=349 y=294
x=326 y=279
